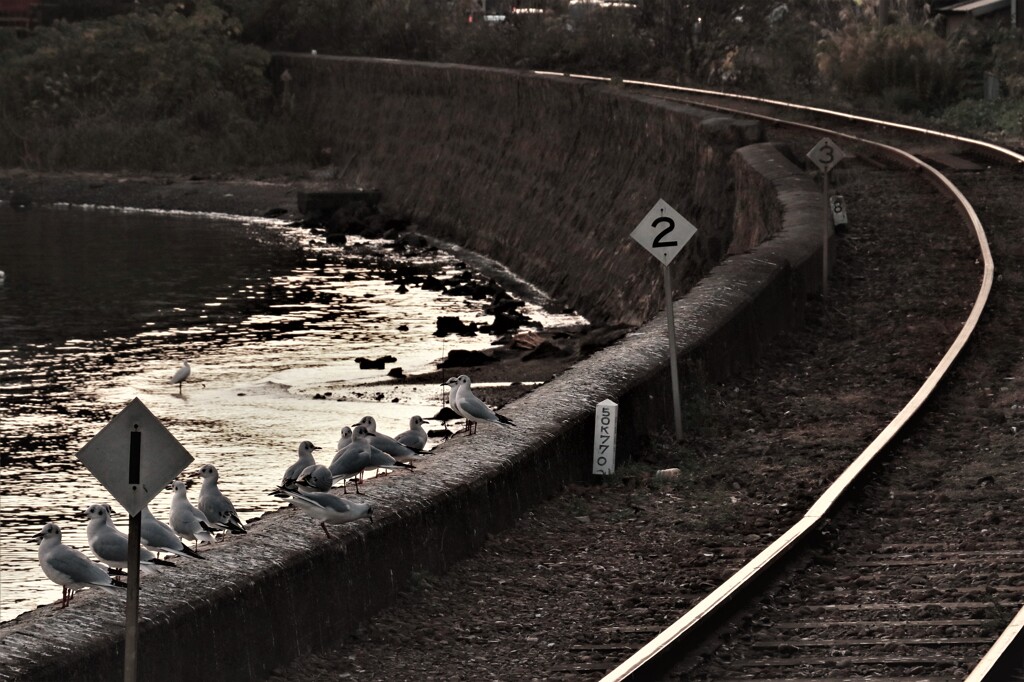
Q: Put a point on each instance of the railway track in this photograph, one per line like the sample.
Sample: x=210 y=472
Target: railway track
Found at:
x=594 y=583
x=899 y=571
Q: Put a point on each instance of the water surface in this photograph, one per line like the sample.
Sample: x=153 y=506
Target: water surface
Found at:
x=100 y=307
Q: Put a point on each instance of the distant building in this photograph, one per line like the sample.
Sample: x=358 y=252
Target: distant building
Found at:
x=958 y=13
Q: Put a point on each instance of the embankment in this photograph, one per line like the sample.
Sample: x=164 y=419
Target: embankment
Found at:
x=549 y=177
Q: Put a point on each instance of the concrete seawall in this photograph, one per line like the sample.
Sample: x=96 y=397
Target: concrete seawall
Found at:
x=284 y=589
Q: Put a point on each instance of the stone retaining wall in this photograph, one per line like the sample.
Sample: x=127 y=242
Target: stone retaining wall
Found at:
x=284 y=589
x=546 y=175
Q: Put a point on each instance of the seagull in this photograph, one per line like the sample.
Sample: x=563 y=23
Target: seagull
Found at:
x=68 y=567
x=315 y=479
x=304 y=461
x=358 y=456
x=187 y=521
x=111 y=545
x=346 y=437
x=158 y=537
x=416 y=436
x=218 y=509
x=400 y=452
x=453 y=384
x=327 y=508
x=474 y=409
x=181 y=376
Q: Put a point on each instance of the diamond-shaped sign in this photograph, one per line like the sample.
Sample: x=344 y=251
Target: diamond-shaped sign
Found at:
x=826 y=154
x=663 y=232
x=109 y=457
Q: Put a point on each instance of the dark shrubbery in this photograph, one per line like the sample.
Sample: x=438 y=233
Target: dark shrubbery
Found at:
x=184 y=87
x=157 y=90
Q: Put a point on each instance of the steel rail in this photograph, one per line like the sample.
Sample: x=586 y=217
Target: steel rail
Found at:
x=641 y=664
x=1001 y=151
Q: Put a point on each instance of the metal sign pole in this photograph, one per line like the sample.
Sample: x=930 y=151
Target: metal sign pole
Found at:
x=824 y=238
x=131 y=616
x=673 y=356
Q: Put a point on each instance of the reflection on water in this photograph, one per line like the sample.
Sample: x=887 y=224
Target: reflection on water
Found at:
x=98 y=308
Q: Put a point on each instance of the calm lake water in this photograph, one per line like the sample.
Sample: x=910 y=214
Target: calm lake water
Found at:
x=99 y=307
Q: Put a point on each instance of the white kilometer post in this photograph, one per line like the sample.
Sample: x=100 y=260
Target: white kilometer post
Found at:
x=664 y=233
x=606 y=421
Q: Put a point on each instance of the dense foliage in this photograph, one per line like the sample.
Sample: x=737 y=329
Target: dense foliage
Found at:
x=182 y=87
x=152 y=89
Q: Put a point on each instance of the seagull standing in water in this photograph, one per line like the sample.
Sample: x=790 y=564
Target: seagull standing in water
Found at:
x=327 y=508
x=215 y=505
x=111 y=545
x=187 y=521
x=68 y=567
x=471 y=407
x=181 y=376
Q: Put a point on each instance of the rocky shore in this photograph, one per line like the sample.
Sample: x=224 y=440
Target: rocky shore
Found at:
x=526 y=354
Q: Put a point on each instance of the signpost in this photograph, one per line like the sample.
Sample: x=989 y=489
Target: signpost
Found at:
x=114 y=456
x=664 y=233
x=825 y=155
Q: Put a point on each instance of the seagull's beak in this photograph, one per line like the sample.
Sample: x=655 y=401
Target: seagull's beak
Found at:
x=37 y=538
x=317 y=447
x=425 y=421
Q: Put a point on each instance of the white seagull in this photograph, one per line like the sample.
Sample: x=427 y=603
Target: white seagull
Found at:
x=315 y=479
x=327 y=508
x=471 y=407
x=416 y=436
x=346 y=437
x=402 y=453
x=68 y=567
x=358 y=456
x=218 y=509
x=111 y=545
x=158 y=537
x=187 y=521
x=304 y=461
x=181 y=376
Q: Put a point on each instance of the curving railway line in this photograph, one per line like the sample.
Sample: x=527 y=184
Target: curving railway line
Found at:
x=898 y=571
x=862 y=519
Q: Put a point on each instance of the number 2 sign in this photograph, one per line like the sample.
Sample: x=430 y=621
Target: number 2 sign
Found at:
x=663 y=232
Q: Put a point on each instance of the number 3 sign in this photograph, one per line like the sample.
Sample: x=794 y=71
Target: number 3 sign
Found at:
x=663 y=232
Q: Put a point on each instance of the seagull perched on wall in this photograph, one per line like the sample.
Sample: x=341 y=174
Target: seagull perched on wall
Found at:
x=327 y=508
x=305 y=460
x=158 y=537
x=187 y=521
x=214 y=504
x=111 y=545
x=416 y=436
x=462 y=400
x=359 y=455
x=401 y=453
x=181 y=376
x=315 y=479
x=68 y=567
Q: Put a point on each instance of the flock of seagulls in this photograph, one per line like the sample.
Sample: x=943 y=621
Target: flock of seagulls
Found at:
x=306 y=484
